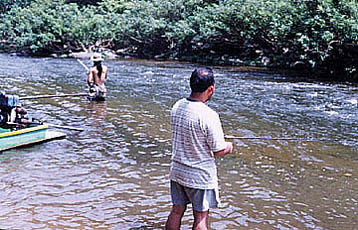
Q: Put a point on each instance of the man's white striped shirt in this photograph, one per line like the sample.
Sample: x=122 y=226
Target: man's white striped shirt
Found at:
x=196 y=134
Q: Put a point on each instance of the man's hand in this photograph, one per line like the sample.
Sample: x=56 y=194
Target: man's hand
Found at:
x=225 y=151
x=229 y=147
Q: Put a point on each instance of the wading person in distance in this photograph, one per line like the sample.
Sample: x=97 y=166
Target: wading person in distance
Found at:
x=97 y=76
x=197 y=138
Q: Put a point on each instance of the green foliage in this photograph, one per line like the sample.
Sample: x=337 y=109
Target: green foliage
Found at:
x=318 y=35
x=6 y=5
x=314 y=34
x=53 y=26
x=149 y=24
x=44 y=24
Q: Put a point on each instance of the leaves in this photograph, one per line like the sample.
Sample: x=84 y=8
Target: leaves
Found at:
x=313 y=33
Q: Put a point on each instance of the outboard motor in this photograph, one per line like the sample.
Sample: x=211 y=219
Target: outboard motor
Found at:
x=7 y=104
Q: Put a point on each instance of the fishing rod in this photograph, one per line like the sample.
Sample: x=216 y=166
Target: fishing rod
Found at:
x=64 y=127
x=83 y=64
x=51 y=96
x=275 y=138
x=53 y=125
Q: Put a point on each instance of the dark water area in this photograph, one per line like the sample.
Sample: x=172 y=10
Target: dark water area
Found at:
x=114 y=175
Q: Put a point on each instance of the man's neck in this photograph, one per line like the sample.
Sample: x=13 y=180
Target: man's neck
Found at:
x=198 y=97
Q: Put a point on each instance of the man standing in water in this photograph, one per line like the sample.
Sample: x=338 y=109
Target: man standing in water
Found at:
x=197 y=138
x=97 y=76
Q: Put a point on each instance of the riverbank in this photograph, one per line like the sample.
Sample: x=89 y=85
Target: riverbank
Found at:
x=301 y=74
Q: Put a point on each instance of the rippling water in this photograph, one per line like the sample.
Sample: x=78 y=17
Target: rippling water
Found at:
x=114 y=175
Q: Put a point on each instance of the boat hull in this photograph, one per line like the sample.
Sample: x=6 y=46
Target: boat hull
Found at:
x=13 y=139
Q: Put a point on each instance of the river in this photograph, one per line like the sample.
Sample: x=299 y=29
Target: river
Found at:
x=114 y=175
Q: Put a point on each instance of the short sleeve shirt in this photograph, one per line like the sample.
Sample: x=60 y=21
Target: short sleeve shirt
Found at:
x=196 y=134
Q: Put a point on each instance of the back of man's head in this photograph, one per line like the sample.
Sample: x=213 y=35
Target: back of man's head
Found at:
x=201 y=79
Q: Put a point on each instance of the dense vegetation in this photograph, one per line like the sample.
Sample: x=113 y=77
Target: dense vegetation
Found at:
x=320 y=36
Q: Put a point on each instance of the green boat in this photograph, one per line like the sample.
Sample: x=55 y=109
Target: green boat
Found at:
x=27 y=136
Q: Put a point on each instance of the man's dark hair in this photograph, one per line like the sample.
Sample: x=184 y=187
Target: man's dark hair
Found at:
x=201 y=79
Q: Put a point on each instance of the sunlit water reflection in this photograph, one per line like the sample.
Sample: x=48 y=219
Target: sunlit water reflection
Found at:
x=114 y=175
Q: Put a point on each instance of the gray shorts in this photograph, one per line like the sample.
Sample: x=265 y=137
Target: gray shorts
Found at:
x=201 y=199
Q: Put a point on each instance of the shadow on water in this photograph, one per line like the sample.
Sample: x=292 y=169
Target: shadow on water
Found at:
x=113 y=175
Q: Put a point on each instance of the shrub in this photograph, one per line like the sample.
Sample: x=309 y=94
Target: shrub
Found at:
x=313 y=34
x=316 y=35
x=6 y=5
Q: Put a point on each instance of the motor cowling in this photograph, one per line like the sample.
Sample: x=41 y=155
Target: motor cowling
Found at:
x=7 y=104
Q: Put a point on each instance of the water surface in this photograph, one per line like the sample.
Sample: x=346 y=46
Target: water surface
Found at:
x=114 y=175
